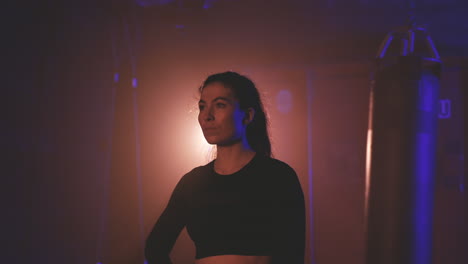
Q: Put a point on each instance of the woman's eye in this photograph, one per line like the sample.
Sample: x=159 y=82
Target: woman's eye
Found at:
x=220 y=105
x=200 y=107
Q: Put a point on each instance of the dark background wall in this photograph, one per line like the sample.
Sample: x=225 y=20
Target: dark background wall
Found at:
x=71 y=190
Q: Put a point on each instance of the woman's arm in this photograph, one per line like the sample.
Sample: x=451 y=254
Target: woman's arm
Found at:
x=168 y=227
x=290 y=220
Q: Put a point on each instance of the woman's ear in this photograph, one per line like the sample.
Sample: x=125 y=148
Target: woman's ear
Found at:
x=249 y=115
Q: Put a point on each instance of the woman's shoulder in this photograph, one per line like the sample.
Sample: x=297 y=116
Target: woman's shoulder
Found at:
x=279 y=174
x=277 y=165
x=276 y=170
x=197 y=173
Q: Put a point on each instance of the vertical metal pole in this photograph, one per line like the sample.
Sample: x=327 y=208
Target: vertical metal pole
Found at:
x=122 y=213
x=309 y=88
x=108 y=158
x=131 y=44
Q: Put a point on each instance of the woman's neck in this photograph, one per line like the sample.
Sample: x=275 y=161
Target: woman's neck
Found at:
x=230 y=159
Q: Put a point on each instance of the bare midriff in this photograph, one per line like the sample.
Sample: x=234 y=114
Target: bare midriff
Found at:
x=234 y=259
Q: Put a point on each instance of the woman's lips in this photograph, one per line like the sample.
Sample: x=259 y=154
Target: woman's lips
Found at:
x=208 y=129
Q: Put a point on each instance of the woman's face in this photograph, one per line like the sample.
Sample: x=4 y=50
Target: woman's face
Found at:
x=220 y=116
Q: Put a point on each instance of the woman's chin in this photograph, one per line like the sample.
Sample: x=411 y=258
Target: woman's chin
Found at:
x=212 y=140
x=225 y=141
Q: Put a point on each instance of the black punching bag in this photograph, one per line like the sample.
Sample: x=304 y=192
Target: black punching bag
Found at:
x=400 y=167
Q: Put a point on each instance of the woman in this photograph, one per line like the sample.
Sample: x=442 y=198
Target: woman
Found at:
x=244 y=207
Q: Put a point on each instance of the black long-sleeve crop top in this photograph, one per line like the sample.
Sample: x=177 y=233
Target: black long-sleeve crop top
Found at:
x=257 y=211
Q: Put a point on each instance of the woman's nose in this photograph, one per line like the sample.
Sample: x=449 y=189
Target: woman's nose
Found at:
x=208 y=115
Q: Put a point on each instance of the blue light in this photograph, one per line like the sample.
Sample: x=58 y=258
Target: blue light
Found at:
x=423 y=170
x=423 y=198
x=284 y=101
x=444 y=108
x=146 y=3
x=207 y=4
